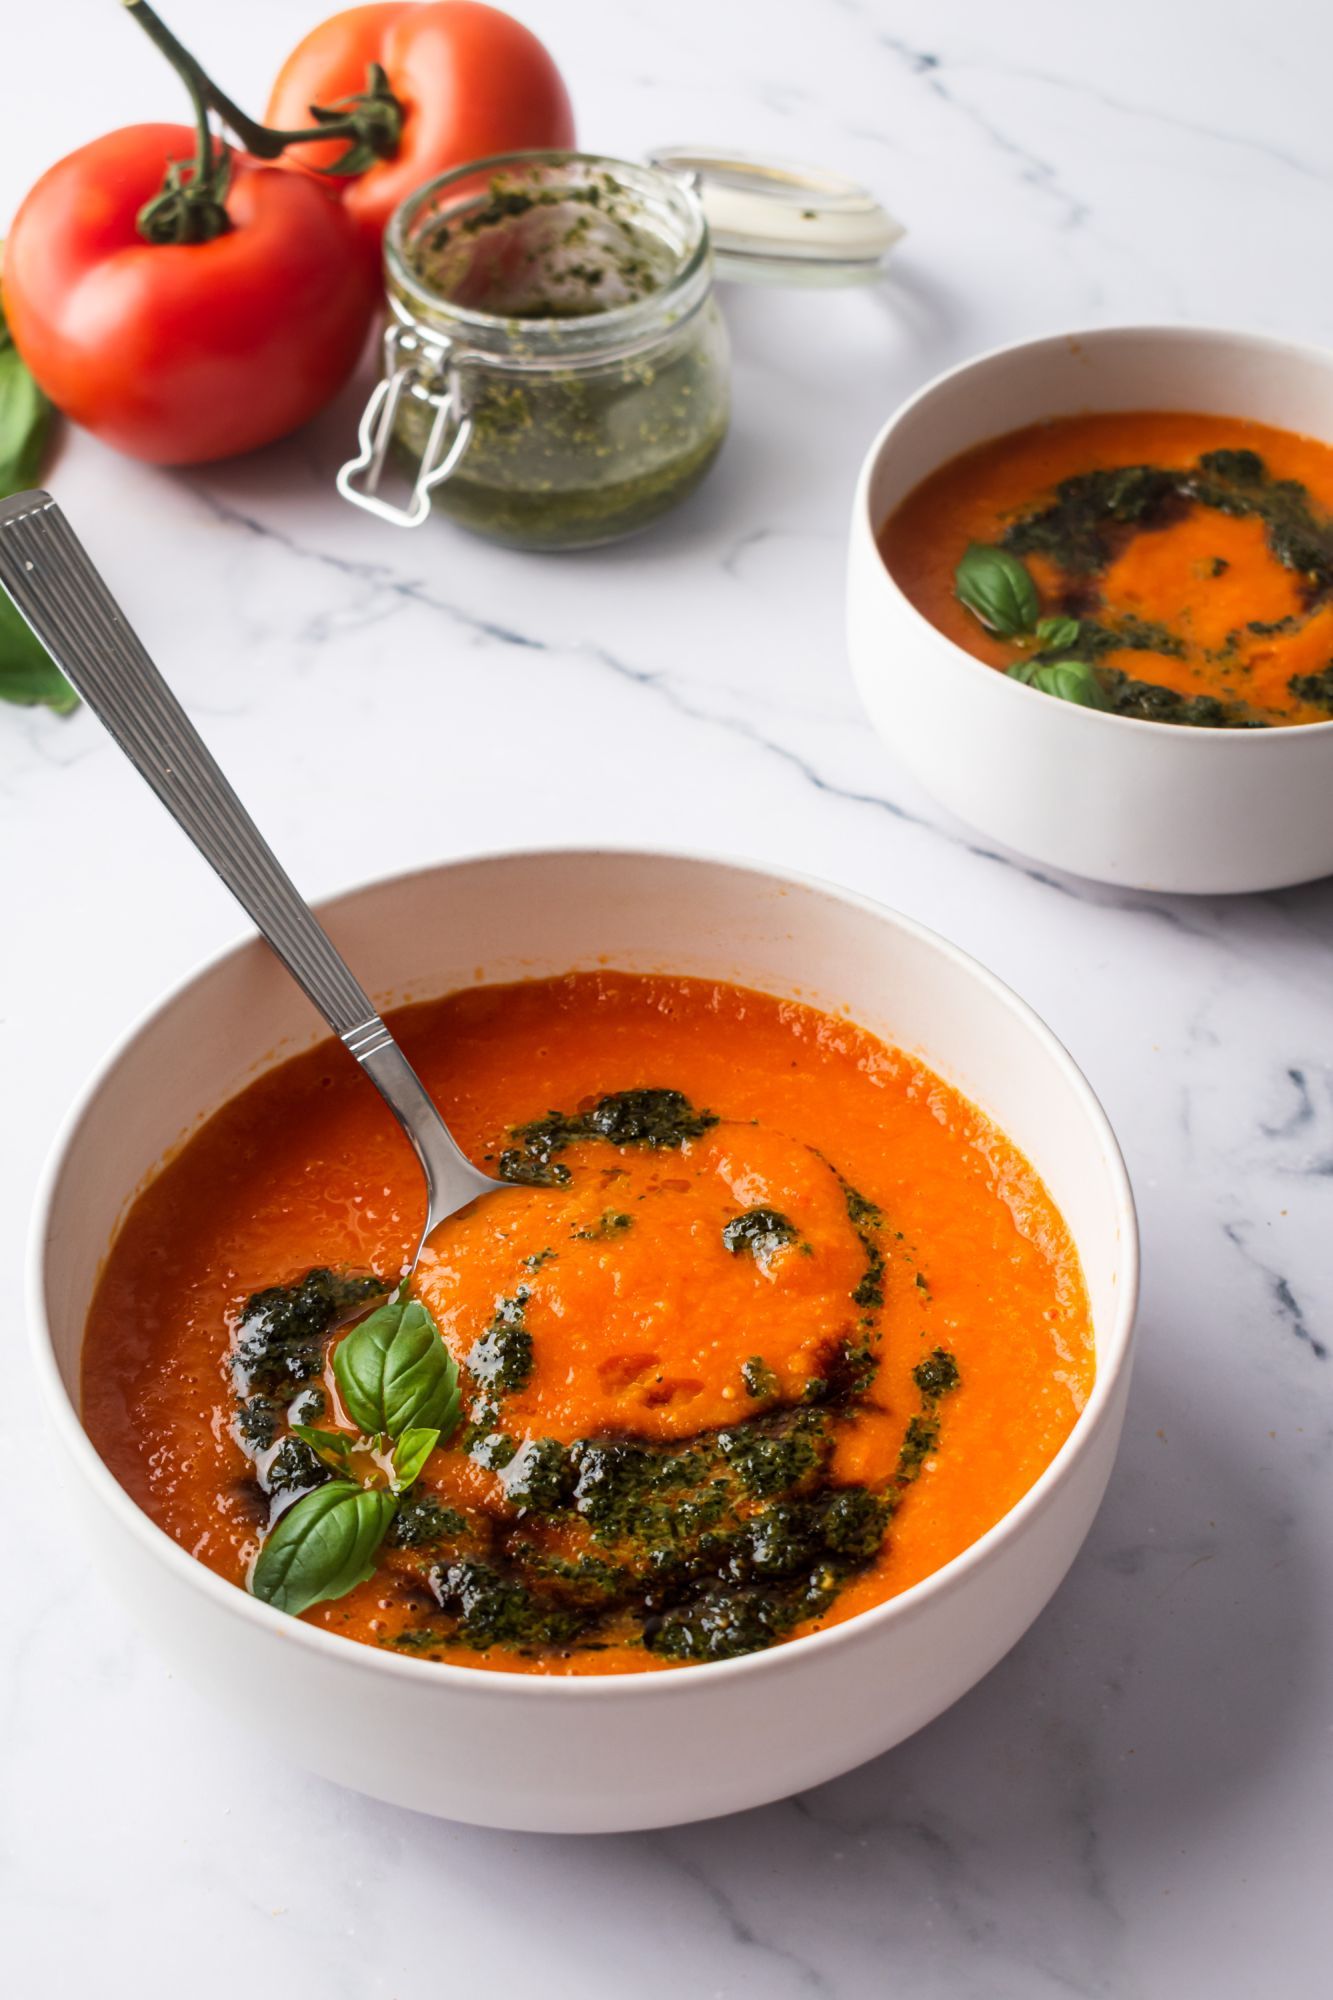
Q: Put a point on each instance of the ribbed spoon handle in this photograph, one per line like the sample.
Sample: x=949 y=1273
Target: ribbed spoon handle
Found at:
x=48 y=573
x=52 y=580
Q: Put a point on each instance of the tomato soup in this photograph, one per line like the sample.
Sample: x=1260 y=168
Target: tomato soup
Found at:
x=1183 y=563
x=766 y=1324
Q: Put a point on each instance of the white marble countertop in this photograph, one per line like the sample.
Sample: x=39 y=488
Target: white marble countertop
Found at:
x=1136 y=1803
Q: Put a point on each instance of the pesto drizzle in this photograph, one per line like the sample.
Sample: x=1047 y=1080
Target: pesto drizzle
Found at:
x=654 y=1118
x=1087 y=523
x=278 y=1353
x=762 y=1232
x=713 y=1548
x=706 y=1549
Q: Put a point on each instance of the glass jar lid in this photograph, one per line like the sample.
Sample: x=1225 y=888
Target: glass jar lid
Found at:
x=777 y=222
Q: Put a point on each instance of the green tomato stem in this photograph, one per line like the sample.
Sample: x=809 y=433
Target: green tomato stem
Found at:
x=371 y=122
x=193 y=209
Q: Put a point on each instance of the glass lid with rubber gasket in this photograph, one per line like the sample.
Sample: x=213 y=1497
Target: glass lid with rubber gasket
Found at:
x=777 y=222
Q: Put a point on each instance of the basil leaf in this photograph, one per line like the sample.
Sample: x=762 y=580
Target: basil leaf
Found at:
x=410 y=1453
x=323 y=1546
x=996 y=588
x=1022 y=670
x=1054 y=634
x=25 y=419
x=1071 y=680
x=333 y=1447
x=394 y=1372
x=28 y=674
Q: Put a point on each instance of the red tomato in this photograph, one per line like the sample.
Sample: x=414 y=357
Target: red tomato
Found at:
x=183 y=352
x=471 y=81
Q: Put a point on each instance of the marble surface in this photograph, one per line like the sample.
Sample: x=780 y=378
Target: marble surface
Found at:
x=1136 y=1803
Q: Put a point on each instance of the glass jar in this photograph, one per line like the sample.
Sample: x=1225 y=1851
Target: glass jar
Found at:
x=555 y=363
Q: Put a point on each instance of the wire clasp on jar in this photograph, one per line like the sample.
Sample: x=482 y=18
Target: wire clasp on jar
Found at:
x=412 y=366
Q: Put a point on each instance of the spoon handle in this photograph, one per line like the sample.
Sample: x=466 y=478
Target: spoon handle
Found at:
x=55 y=586
x=51 y=578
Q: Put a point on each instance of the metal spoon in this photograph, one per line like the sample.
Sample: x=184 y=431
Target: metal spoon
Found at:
x=46 y=571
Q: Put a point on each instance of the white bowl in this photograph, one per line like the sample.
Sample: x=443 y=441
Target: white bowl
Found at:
x=1142 y=804
x=606 y=1753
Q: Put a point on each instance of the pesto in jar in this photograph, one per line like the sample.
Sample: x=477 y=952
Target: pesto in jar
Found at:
x=565 y=304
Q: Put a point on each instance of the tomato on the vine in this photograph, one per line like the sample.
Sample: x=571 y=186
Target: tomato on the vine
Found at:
x=469 y=80
x=185 y=302
x=178 y=351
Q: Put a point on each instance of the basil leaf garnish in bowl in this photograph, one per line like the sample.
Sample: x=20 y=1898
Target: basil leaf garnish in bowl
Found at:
x=394 y=1373
x=323 y=1546
x=997 y=588
x=1055 y=635
x=397 y=1380
x=410 y=1453
x=1067 y=680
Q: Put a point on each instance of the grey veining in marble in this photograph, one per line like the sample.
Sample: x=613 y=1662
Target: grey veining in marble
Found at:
x=1136 y=1804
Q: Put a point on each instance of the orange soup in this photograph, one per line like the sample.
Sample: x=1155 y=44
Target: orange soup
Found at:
x=1179 y=568
x=767 y=1325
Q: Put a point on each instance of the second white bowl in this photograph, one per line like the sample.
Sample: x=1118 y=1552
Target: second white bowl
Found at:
x=1142 y=804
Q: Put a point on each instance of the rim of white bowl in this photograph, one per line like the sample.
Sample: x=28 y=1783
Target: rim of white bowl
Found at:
x=1113 y=1355
x=1308 y=350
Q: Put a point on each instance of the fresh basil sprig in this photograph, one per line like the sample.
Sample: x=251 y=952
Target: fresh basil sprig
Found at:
x=996 y=588
x=395 y=1374
x=997 y=591
x=1067 y=680
x=28 y=674
x=398 y=1380
x=323 y=1546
